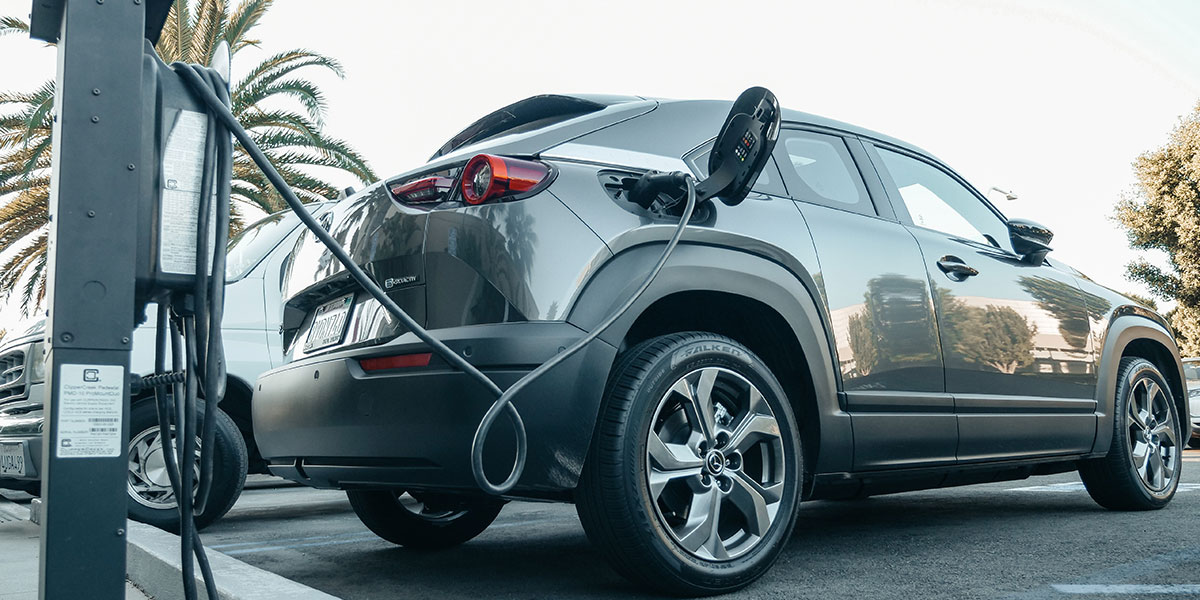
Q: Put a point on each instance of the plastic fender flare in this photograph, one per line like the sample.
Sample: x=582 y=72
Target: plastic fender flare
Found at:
x=1122 y=330
x=695 y=267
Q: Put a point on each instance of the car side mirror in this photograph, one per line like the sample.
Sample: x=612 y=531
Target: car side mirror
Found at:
x=742 y=148
x=1030 y=240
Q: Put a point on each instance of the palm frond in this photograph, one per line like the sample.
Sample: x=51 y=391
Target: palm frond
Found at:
x=13 y=25
x=289 y=133
x=176 y=40
x=257 y=85
x=207 y=30
x=243 y=19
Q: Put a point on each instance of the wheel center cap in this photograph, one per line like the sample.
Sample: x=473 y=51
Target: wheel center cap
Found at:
x=155 y=466
x=715 y=462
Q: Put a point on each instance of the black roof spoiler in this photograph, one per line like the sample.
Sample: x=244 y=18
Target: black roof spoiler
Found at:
x=518 y=114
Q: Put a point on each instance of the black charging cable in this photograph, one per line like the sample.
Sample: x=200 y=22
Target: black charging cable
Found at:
x=503 y=404
x=189 y=324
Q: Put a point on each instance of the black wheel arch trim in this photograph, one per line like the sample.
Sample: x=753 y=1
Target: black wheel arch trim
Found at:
x=707 y=267
x=1128 y=325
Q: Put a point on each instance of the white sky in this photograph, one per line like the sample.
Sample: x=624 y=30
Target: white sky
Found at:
x=1053 y=100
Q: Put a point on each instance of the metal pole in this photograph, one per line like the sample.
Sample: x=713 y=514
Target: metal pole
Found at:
x=93 y=199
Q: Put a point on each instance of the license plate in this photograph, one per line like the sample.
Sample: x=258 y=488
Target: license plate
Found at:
x=12 y=458
x=329 y=323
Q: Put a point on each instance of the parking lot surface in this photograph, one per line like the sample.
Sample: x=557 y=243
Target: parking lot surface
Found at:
x=1040 y=538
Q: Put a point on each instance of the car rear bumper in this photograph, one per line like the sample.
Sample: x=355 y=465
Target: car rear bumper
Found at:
x=325 y=422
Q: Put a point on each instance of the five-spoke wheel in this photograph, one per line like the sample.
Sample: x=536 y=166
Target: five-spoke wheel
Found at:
x=692 y=482
x=714 y=450
x=1141 y=469
x=1153 y=434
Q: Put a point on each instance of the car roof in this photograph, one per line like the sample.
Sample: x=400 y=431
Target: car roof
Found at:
x=720 y=108
x=658 y=126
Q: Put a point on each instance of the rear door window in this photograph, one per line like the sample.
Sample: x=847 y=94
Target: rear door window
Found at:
x=825 y=172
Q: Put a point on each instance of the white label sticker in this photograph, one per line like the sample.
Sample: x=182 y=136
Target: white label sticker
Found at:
x=183 y=166
x=90 y=405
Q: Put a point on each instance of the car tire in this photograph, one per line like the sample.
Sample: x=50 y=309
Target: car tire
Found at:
x=659 y=454
x=423 y=522
x=1141 y=469
x=1194 y=443
x=150 y=499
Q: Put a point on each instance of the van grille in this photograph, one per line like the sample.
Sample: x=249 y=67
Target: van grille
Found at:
x=12 y=374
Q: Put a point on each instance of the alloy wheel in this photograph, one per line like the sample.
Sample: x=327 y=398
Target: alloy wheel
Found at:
x=1153 y=435
x=715 y=464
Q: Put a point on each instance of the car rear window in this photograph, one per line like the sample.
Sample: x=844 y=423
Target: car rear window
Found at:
x=825 y=171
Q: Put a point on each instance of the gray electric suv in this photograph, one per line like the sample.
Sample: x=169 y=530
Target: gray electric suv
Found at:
x=864 y=323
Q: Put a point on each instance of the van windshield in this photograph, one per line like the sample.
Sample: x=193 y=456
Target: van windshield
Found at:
x=249 y=247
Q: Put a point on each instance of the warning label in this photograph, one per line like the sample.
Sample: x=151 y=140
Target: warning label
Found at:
x=89 y=411
x=183 y=166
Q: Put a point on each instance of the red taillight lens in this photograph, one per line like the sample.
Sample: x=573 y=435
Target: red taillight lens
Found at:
x=395 y=362
x=423 y=191
x=487 y=177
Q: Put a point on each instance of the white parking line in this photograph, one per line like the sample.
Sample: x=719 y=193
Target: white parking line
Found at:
x=276 y=541
x=1190 y=589
x=1077 y=486
x=238 y=548
x=361 y=538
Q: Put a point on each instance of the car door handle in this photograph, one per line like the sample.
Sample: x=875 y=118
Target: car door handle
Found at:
x=955 y=268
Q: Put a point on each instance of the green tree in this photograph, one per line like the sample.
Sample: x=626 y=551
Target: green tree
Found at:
x=281 y=109
x=894 y=328
x=1163 y=213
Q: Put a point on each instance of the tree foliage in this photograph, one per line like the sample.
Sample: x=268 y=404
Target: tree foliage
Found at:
x=1163 y=213
x=995 y=336
x=281 y=109
x=998 y=337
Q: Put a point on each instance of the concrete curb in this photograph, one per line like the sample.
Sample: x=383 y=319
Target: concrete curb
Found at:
x=154 y=566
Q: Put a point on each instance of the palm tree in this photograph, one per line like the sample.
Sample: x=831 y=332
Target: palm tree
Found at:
x=282 y=111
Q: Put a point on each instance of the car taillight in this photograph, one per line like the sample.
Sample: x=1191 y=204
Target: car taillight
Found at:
x=423 y=191
x=395 y=362
x=488 y=177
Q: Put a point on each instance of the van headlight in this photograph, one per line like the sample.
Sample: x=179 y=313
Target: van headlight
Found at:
x=37 y=363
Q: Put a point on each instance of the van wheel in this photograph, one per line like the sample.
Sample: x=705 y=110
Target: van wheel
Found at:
x=1141 y=470
x=423 y=521
x=692 y=482
x=151 y=499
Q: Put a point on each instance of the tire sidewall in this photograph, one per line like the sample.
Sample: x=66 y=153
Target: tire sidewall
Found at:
x=1136 y=371
x=382 y=512
x=229 y=469
x=681 y=359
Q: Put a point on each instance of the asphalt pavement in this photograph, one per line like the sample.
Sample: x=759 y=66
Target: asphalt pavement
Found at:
x=1040 y=538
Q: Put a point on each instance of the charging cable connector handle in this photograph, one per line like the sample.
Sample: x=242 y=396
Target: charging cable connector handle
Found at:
x=645 y=189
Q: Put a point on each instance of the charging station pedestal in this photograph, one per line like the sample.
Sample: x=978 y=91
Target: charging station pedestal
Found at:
x=93 y=203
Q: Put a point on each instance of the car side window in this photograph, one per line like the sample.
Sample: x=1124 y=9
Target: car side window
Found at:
x=825 y=172
x=769 y=182
x=937 y=201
